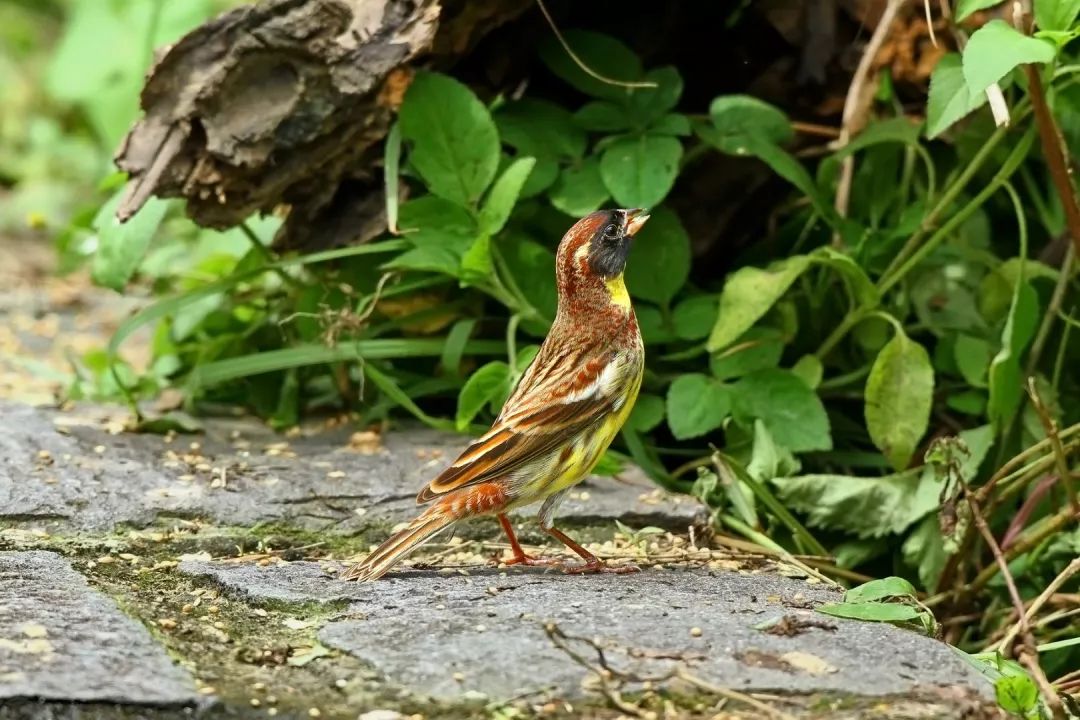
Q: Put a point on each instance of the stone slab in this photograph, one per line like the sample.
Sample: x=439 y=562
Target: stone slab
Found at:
x=443 y=635
x=61 y=640
x=63 y=471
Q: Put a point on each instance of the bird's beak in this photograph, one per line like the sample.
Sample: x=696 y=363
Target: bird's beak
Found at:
x=634 y=220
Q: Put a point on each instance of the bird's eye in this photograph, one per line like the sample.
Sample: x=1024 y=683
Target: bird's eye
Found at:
x=611 y=232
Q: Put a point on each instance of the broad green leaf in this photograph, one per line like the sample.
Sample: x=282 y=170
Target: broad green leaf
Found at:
x=648 y=412
x=863 y=506
x=603 y=54
x=1017 y=694
x=875 y=611
x=995 y=49
x=696 y=405
x=791 y=411
x=455 y=143
x=603 y=116
x=1056 y=14
x=899 y=397
x=476 y=263
x=747 y=296
x=671 y=124
x=767 y=459
x=998 y=287
x=580 y=189
x=964 y=8
x=757 y=349
x=504 y=194
x=647 y=105
x=736 y=116
x=486 y=383
x=541 y=129
x=440 y=232
x=122 y=245
x=924 y=549
x=809 y=369
x=879 y=590
x=454 y=348
x=639 y=171
x=655 y=326
x=1005 y=374
x=533 y=268
x=972 y=355
x=693 y=318
x=659 y=258
x=950 y=98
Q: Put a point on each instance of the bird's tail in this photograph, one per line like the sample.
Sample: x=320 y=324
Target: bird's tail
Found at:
x=398 y=546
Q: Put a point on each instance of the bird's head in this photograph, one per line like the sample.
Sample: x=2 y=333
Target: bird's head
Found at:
x=592 y=257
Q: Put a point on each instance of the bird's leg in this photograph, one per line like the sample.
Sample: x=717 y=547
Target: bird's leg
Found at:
x=520 y=558
x=592 y=563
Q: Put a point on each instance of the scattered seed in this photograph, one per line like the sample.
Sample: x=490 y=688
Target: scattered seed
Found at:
x=695 y=632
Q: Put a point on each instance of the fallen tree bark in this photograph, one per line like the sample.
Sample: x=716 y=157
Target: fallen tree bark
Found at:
x=278 y=106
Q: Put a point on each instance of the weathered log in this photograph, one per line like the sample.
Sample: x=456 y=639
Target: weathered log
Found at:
x=280 y=104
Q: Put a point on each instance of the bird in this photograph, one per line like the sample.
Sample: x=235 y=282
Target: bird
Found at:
x=562 y=415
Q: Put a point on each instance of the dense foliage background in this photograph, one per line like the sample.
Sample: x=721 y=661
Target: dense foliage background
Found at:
x=854 y=371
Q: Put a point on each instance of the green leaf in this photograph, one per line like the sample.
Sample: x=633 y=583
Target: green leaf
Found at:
x=693 y=318
x=964 y=8
x=580 y=190
x=862 y=506
x=879 y=590
x=639 y=171
x=455 y=143
x=1056 y=14
x=747 y=296
x=1017 y=694
x=476 y=263
x=486 y=383
x=995 y=49
x=504 y=194
x=924 y=549
x=1005 y=373
x=972 y=355
x=767 y=460
x=671 y=124
x=541 y=129
x=791 y=411
x=602 y=116
x=950 y=98
x=696 y=405
x=603 y=54
x=736 y=116
x=122 y=245
x=875 y=611
x=899 y=397
x=648 y=412
x=454 y=348
x=647 y=105
x=809 y=369
x=757 y=349
x=533 y=268
x=660 y=258
x=441 y=233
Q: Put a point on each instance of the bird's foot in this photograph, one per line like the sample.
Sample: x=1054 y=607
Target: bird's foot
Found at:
x=595 y=566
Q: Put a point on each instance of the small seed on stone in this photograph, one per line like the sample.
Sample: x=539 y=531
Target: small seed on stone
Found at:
x=459 y=677
x=255 y=702
x=695 y=632
x=166 y=623
x=314 y=712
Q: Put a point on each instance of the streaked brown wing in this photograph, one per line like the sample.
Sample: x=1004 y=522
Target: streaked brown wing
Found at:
x=534 y=421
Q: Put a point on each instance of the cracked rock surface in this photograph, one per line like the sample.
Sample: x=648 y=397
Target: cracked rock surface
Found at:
x=63 y=471
x=443 y=635
x=62 y=640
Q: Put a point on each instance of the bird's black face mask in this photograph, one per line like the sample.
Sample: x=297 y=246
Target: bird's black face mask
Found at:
x=610 y=246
